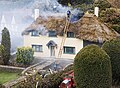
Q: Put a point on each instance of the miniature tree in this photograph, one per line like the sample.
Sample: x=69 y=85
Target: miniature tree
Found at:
x=92 y=68
x=7 y=45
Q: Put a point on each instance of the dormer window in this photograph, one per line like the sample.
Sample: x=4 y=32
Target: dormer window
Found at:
x=34 y=33
x=70 y=35
x=52 y=34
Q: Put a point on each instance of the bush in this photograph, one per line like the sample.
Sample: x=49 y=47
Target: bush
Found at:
x=112 y=48
x=1 y=54
x=25 y=55
x=92 y=68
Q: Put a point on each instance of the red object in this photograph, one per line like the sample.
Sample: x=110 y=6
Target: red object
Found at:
x=68 y=81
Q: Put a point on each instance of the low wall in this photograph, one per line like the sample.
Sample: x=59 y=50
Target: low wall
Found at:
x=11 y=68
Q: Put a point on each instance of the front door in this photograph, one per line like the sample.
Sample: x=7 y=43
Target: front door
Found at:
x=52 y=51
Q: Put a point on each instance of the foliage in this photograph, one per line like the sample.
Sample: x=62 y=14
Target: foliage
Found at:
x=29 y=82
x=75 y=2
x=24 y=55
x=85 y=7
x=92 y=68
x=7 y=45
x=102 y=4
x=110 y=15
x=112 y=48
x=1 y=54
x=116 y=28
x=51 y=81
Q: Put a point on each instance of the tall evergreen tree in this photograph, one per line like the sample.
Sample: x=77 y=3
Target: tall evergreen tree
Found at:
x=7 y=45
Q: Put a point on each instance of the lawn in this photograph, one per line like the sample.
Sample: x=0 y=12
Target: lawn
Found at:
x=7 y=76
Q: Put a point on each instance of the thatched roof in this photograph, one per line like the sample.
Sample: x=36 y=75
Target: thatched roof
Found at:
x=87 y=28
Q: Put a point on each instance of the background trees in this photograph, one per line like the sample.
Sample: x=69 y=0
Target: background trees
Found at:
x=7 y=45
x=112 y=48
x=75 y=2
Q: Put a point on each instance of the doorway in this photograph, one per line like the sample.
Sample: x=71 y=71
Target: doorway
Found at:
x=52 y=51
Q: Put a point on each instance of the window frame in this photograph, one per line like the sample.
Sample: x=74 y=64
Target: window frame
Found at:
x=55 y=35
x=70 y=35
x=36 y=47
x=34 y=33
x=65 y=51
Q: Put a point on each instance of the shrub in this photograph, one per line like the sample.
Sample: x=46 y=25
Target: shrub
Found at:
x=112 y=48
x=92 y=68
x=1 y=54
x=25 y=55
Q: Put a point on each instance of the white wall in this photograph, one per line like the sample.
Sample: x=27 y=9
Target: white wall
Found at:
x=43 y=40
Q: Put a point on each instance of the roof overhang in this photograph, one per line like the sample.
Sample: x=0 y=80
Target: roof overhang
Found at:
x=51 y=43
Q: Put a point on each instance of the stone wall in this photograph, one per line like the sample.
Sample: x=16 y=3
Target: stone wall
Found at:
x=11 y=68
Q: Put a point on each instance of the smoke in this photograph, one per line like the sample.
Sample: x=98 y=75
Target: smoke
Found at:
x=19 y=14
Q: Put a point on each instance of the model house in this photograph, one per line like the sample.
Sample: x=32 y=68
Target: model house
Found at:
x=45 y=35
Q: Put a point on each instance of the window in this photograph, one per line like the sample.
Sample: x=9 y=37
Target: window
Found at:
x=52 y=34
x=37 y=48
x=34 y=33
x=70 y=35
x=69 y=50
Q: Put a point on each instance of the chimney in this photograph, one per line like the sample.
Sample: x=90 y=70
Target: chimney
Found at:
x=13 y=21
x=3 y=22
x=36 y=11
x=96 y=11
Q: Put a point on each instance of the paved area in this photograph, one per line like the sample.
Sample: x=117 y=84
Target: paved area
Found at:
x=56 y=63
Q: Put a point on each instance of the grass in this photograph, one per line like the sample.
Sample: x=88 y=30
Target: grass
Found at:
x=7 y=76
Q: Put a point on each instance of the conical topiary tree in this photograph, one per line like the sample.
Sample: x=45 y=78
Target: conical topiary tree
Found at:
x=7 y=45
x=92 y=68
x=112 y=48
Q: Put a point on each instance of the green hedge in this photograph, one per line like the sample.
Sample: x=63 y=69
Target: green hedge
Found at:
x=92 y=68
x=25 y=55
x=112 y=48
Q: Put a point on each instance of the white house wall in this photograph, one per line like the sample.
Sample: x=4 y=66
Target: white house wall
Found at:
x=43 y=40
